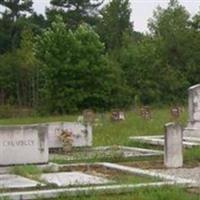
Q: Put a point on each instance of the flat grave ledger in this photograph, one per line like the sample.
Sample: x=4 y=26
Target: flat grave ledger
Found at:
x=81 y=135
x=73 y=179
x=9 y=181
x=23 y=144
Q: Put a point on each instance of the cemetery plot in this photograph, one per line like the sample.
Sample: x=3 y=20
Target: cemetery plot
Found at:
x=100 y=178
x=74 y=175
x=104 y=153
x=115 y=176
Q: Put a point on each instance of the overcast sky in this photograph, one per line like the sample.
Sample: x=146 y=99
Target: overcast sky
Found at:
x=142 y=10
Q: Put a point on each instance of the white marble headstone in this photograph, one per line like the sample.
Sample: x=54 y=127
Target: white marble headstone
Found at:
x=193 y=127
x=23 y=144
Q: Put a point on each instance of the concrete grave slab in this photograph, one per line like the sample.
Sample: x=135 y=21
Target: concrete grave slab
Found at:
x=8 y=181
x=188 y=142
x=73 y=179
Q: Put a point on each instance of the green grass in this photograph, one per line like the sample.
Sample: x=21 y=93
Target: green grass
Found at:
x=118 y=132
x=26 y=170
x=192 y=156
x=127 y=178
x=163 y=193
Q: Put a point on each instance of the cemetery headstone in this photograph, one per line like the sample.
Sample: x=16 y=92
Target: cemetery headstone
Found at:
x=88 y=116
x=175 y=112
x=173 y=155
x=193 y=126
x=78 y=135
x=145 y=112
x=117 y=115
x=23 y=144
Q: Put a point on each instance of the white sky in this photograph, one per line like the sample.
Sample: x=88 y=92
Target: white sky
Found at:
x=142 y=10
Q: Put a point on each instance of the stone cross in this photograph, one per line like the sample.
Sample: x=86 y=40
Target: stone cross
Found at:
x=173 y=155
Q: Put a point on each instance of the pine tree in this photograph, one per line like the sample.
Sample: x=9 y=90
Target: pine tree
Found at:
x=115 y=22
x=75 y=12
x=15 y=8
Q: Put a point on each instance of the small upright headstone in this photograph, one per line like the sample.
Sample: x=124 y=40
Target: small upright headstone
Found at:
x=145 y=112
x=193 y=127
x=117 y=115
x=88 y=116
x=173 y=156
x=175 y=112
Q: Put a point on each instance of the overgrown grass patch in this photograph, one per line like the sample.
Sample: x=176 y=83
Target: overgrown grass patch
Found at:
x=192 y=155
x=26 y=170
x=160 y=193
x=134 y=125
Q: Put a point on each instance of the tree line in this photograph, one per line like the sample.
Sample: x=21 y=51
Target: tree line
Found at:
x=86 y=54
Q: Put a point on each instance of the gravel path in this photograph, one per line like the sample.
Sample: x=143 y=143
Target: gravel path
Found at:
x=187 y=173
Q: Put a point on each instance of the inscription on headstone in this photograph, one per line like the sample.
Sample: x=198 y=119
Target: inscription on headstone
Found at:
x=17 y=143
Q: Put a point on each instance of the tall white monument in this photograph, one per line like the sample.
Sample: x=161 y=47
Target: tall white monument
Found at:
x=193 y=126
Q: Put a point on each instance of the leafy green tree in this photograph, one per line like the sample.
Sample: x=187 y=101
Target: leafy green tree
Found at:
x=75 y=72
x=193 y=66
x=171 y=27
x=75 y=12
x=114 y=23
x=19 y=74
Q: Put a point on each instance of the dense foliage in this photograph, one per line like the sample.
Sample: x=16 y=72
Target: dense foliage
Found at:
x=86 y=55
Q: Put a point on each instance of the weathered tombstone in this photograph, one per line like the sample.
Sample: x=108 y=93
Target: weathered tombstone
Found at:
x=81 y=135
x=175 y=112
x=173 y=155
x=117 y=115
x=193 y=127
x=23 y=144
x=145 y=112
x=88 y=116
